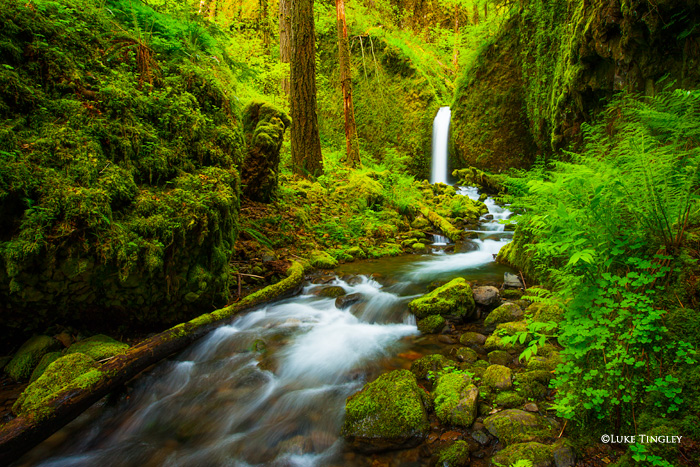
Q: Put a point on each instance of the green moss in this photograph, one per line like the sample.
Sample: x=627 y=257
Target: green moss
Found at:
x=98 y=347
x=537 y=453
x=420 y=223
x=513 y=426
x=331 y=292
x=389 y=407
x=467 y=355
x=540 y=312
x=455 y=455
x=431 y=325
x=45 y=361
x=455 y=399
x=68 y=372
x=498 y=377
x=509 y=399
x=418 y=246
x=430 y=363
x=533 y=384
x=356 y=252
x=29 y=355
x=322 y=260
x=503 y=314
x=452 y=299
x=500 y=357
x=443 y=224
x=511 y=294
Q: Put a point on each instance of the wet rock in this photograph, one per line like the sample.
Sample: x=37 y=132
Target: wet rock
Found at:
x=455 y=455
x=540 y=455
x=500 y=357
x=296 y=445
x=331 y=292
x=323 y=279
x=452 y=300
x=388 y=413
x=511 y=281
x=487 y=217
x=465 y=354
x=450 y=436
x=503 y=314
x=498 y=377
x=517 y=426
x=446 y=339
x=563 y=454
x=432 y=324
x=430 y=363
x=29 y=355
x=472 y=338
x=487 y=296
x=481 y=437
x=531 y=407
x=455 y=399
x=322 y=260
x=322 y=440
x=345 y=301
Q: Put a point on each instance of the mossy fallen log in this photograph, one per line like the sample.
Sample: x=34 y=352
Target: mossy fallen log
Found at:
x=443 y=224
x=30 y=428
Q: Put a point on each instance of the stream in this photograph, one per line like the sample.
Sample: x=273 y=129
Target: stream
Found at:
x=270 y=388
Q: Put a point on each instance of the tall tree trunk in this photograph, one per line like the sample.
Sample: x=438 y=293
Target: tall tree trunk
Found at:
x=351 y=146
x=306 y=143
x=486 y=10
x=285 y=22
x=476 y=14
x=455 y=55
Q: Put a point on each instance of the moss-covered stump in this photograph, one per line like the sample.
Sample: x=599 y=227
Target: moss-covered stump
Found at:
x=430 y=363
x=29 y=355
x=452 y=300
x=455 y=399
x=71 y=371
x=45 y=361
x=517 y=426
x=98 y=347
x=503 y=314
x=540 y=455
x=498 y=377
x=388 y=413
x=432 y=324
x=264 y=126
x=322 y=260
x=454 y=455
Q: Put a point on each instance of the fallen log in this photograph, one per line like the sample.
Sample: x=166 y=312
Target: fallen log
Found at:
x=27 y=430
x=442 y=224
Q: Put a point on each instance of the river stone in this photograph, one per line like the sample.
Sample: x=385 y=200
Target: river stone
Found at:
x=540 y=455
x=455 y=399
x=345 y=301
x=467 y=355
x=471 y=338
x=487 y=296
x=388 y=413
x=431 y=325
x=503 y=314
x=513 y=426
x=499 y=357
x=511 y=281
x=455 y=455
x=333 y=291
x=452 y=300
x=29 y=355
x=498 y=377
x=430 y=363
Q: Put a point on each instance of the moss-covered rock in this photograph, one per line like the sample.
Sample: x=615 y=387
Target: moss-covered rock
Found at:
x=432 y=324
x=513 y=426
x=498 y=377
x=540 y=455
x=509 y=399
x=454 y=455
x=333 y=291
x=467 y=355
x=388 y=413
x=98 y=347
x=499 y=357
x=455 y=399
x=29 y=355
x=430 y=363
x=45 y=361
x=420 y=223
x=453 y=299
x=356 y=252
x=533 y=384
x=71 y=371
x=511 y=294
x=418 y=246
x=472 y=338
x=548 y=363
x=540 y=312
x=503 y=314
x=322 y=260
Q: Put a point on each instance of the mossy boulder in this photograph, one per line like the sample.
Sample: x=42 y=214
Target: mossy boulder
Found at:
x=356 y=252
x=499 y=357
x=513 y=426
x=548 y=363
x=418 y=246
x=540 y=455
x=71 y=371
x=455 y=399
x=29 y=355
x=322 y=260
x=498 y=377
x=45 y=361
x=540 y=312
x=388 y=413
x=503 y=314
x=533 y=384
x=430 y=363
x=98 y=347
x=453 y=299
x=333 y=291
x=472 y=338
x=509 y=399
x=454 y=455
x=467 y=355
x=432 y=324
x=511 y=294
x=420 y=223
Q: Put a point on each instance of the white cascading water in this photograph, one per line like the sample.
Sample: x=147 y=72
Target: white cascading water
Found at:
x=441 y=136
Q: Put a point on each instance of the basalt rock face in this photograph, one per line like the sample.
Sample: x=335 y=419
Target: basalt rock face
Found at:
x=552 y=66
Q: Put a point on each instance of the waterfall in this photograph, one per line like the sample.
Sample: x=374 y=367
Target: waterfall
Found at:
x=441 y=136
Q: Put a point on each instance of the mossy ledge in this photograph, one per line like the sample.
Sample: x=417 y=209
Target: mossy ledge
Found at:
x=22 y=433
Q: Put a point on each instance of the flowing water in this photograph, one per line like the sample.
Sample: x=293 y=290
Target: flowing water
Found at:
x=441 y=137
x=270 y=388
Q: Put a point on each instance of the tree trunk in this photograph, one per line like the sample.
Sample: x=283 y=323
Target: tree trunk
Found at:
x=455 y=55
x=306 y=143
x=285 y=22
x=351 y=146
x=21 y=434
